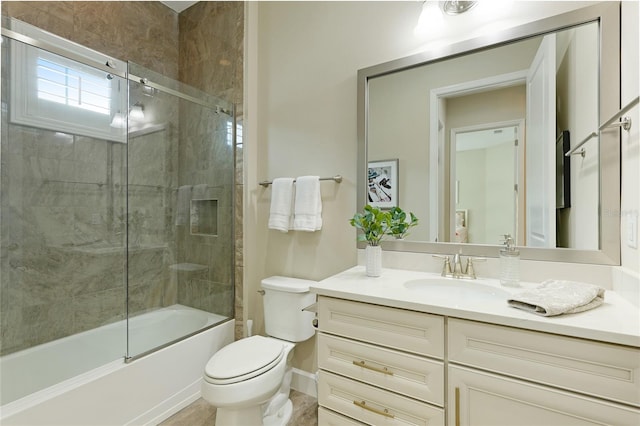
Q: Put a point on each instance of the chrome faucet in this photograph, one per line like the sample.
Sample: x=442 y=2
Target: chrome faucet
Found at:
x=453 y=267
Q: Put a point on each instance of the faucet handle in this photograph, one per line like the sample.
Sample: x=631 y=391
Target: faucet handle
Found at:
x=446 y=268
x=471 y=272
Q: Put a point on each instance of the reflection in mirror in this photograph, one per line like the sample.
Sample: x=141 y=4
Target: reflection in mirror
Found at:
x=435 y=119
x=531 y=84
x=486 y=183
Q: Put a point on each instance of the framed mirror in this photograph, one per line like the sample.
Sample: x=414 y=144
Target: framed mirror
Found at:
x=479 y=133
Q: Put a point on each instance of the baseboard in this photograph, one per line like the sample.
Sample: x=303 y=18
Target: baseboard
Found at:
x=305 y=382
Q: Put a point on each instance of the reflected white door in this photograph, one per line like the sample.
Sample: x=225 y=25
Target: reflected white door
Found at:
x=540 y=147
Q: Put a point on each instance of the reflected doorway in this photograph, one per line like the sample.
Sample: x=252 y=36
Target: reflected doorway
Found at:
x=487 y=174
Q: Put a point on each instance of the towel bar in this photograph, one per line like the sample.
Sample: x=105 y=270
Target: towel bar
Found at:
x=336 y=178
x=625 y=124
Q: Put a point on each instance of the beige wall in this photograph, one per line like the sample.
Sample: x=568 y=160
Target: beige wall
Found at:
x=301 y=93
x=630 y=204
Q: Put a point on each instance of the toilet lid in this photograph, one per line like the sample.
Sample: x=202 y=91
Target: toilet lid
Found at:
x=243 y=360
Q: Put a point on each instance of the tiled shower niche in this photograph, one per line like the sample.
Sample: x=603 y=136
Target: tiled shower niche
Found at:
x=204 y=217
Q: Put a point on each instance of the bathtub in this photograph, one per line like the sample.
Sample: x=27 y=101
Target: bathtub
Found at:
x=83 y=379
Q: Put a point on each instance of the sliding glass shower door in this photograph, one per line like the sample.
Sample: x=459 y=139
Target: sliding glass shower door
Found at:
x=116 y=210
x=180 y=210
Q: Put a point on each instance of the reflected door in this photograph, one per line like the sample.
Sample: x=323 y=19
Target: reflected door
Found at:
x=541 y=118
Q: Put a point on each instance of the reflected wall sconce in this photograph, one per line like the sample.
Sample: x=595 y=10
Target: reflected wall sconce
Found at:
x=456 y=7
x=137 y=111
x=433 y=12
x=118 y=121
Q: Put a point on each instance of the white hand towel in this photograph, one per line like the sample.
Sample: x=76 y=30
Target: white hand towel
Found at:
x=556 y=297
x=182 y=204
x=281 y=203
x=307 y=213
x=200 y=192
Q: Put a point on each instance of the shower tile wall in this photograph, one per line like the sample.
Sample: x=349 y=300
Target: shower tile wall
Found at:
x=65 y=295
x=140 y=31
x=211 y=59
x=59 y=276
x=63 y=261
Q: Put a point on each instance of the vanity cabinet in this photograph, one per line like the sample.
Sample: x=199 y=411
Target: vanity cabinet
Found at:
x=506 y=376
x=481 y=398
x=385 y=365
x=379 y=365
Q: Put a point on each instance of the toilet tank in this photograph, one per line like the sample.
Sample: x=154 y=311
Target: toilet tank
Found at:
x=283 y=301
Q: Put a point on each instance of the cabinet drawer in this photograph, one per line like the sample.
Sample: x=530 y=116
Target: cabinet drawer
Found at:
x=415 y=332
x=595 y=368
x=411 y=375
x=478 y=398
x=329 y=418
x=374 y=406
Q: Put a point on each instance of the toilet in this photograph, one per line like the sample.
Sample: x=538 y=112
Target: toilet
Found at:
x=248 y=381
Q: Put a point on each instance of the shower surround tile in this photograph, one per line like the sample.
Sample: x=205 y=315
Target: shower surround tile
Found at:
x=66 y=253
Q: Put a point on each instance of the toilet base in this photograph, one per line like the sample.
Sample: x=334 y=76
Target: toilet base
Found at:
x=253 y=416
x=281 y=418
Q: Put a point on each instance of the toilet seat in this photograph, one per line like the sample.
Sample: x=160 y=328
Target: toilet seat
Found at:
x=243 y=360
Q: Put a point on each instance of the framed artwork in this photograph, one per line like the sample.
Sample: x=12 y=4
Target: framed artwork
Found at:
x=382 y=188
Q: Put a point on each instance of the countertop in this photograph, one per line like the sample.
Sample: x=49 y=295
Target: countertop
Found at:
x=615 y=321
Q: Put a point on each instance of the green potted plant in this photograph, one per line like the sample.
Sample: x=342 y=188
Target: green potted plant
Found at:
x=398 y=225
x=374 y=224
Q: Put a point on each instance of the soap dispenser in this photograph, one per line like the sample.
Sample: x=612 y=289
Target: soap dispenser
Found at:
x=509 y=263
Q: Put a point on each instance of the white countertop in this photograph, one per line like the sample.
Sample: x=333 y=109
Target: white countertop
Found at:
x=615 y=321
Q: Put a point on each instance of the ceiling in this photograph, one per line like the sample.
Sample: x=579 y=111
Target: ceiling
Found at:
x=179 y=5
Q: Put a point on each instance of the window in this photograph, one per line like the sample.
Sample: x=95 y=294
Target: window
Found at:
x=53 y=92
x=68 y=86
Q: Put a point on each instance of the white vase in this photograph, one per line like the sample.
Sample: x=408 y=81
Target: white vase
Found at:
x=374 y=261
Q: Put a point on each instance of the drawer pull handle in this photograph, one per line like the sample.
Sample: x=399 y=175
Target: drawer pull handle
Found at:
x=383 y=370
x=385 y=412
x=457 y=408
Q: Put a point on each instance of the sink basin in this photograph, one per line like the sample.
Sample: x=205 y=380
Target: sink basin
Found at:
x=448 y=288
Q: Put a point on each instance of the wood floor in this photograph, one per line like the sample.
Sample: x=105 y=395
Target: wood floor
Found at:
x=200 y=413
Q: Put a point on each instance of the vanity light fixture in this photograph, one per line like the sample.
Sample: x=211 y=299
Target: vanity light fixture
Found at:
x=454 y=7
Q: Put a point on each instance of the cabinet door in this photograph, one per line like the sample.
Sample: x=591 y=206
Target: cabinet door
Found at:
x=481 y=399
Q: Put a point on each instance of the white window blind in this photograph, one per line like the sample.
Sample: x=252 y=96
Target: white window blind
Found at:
x=68 y=86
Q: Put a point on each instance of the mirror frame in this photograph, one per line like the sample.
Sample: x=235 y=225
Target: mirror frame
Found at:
x=607 y=14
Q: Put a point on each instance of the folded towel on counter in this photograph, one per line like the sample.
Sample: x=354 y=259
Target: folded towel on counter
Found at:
x=182 y=205
x=556 y=297
x=307 y=214
x=280 y=217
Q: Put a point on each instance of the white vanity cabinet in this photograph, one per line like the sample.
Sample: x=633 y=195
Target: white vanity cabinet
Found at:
x=379 y=365
x=386 y=365
x=506 y=376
